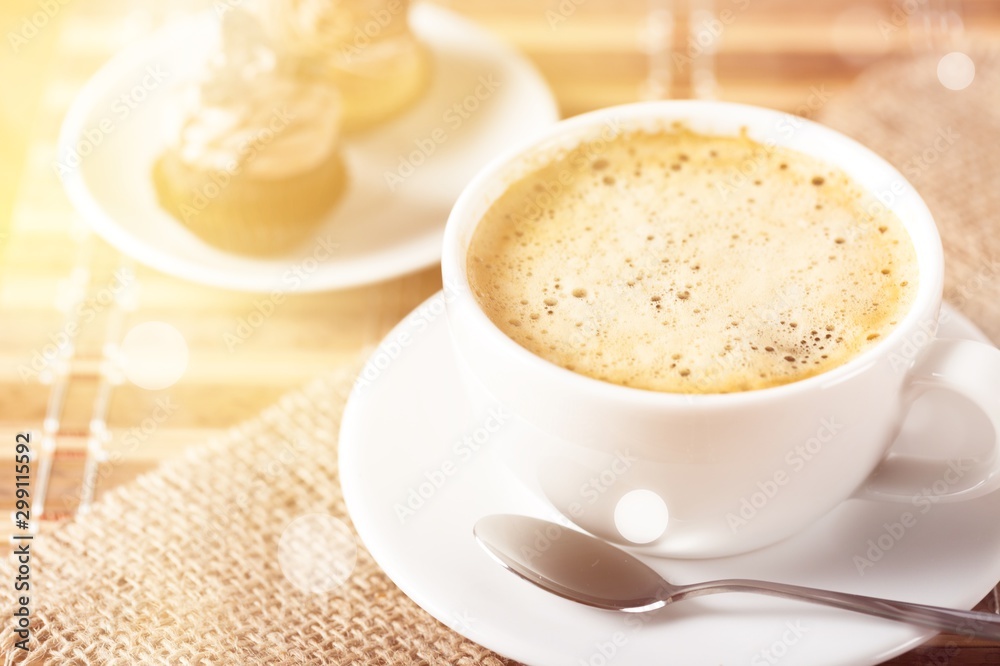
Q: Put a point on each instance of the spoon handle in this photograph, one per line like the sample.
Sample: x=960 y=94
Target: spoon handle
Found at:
x=973 y=624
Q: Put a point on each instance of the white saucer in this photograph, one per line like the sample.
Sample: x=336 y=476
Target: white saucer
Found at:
x=379 y=233
x=411 y=423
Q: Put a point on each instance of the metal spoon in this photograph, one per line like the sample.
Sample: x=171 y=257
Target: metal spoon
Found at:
x=589 y=571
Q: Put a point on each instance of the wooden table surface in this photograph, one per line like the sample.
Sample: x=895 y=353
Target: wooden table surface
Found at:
x=772 y=52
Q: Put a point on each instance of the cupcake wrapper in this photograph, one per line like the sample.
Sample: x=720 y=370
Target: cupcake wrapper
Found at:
x=246 y=214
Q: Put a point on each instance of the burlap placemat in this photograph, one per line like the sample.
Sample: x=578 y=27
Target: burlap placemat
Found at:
x=945 y=142
x=182 y=566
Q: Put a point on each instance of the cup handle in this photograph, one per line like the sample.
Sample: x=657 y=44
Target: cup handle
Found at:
x=971 y=369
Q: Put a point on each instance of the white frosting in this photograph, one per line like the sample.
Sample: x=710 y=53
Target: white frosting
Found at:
x=344 y=33
x=251 y=113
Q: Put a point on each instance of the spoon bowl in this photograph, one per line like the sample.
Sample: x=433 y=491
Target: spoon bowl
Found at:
x=571 y=564
x=587 y=570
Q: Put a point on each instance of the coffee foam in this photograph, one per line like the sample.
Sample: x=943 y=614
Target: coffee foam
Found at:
x=686 y=263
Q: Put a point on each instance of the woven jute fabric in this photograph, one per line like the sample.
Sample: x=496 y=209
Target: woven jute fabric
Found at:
x=944 y=142
x=182 y=566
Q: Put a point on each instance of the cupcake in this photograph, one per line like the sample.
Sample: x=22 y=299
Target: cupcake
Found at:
x=363 y=47
x=253 y=163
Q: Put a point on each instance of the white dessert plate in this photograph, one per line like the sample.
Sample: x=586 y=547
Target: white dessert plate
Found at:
x=483 y=97
x=421 y=461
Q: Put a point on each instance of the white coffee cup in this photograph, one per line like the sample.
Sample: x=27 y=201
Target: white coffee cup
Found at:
x=688 y=465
